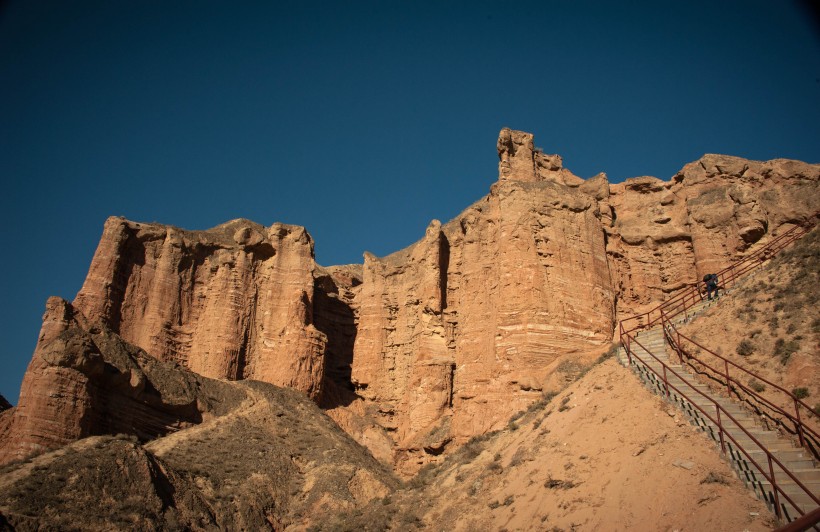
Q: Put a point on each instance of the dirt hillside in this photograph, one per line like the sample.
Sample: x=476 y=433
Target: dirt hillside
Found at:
x=769 y=323
x=605 y=454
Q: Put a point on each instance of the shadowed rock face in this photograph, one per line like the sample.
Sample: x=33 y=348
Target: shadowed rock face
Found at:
x=202 y=453
x=4 y=405
x=84 y=380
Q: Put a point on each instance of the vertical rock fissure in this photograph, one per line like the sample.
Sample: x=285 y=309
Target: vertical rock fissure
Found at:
x=242 y=352
x=443 y=267
x=334 y=315
x=123 y=269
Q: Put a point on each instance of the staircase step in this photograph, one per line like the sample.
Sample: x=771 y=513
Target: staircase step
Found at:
x=802 y=500
x=794 y=492
x=771 y=446
x=659 y=369
x=812 y=473
x=791 y=487
x=794 y=458
x=708 y=405
x=733 y=433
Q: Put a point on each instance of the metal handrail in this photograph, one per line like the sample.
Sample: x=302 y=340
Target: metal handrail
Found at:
x=800 y=425
x=686 y=299
x=728 y=275
x=803 y=523
x=778 y=491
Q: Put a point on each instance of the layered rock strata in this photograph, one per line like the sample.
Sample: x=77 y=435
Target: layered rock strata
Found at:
x=462 y=329
x=664 y=235
x=435 y=343
x=232 y=302
x=335 y=311
x=85 y=380
x=465 y=327
x=189 y=452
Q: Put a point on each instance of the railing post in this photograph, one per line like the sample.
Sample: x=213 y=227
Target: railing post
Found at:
x=799 y=423
x=628 y=347
x=680 y=349
x=778 y=512
x=665 y=381
x=720 y=430
x=726 y=371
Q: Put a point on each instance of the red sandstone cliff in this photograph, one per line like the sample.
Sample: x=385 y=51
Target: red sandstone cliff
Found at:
x=85 y=380
x=465 y=327
x=434 y=343
x=232 y=302
x=666 y=234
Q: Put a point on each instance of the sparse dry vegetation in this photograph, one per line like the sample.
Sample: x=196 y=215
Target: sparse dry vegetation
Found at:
x=801 y=392
x=714 y=478
x=783 y=349
x=745 y=348
x=766 y=324
x=756 y=385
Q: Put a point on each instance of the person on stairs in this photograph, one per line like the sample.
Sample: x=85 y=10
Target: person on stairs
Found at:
x=711 y=281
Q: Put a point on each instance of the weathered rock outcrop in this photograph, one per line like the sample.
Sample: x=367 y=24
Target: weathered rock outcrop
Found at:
x=465 y=327
x=232 y=302
x=411 y=352
x=462 y=329
x=85 y=380
x=335 y=311
x=223 y=455
x=667 y=234
x=6 y=414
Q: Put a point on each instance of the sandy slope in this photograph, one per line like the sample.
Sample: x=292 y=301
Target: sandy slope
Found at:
x=606 y=460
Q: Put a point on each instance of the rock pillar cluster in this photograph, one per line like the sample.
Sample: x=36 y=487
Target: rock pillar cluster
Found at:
x=431 y=345
x=233 y=302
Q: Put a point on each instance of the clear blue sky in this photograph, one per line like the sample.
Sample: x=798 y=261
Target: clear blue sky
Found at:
x=360 y=121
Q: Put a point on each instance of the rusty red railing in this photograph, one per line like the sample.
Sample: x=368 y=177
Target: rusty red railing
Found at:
x=692 y=294
x=719 y=420
x=681 y=303
x=803 y=523
x=808 y=436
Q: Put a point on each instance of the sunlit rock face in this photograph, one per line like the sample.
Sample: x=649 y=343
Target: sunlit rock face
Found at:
x=667 y=234
x=464 y=328
x=415 y=352
x=85 y=380
x=232 y=302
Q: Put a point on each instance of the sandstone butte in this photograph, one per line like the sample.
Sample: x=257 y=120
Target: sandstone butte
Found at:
x=413 y=353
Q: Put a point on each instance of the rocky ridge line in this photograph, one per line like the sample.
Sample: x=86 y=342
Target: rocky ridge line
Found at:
x=414 y=353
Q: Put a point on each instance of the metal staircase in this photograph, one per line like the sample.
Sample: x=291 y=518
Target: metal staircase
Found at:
x=784 y=475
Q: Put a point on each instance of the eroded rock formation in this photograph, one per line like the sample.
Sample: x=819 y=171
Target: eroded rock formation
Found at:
x=85 y=380
x=667 y=234
x=189 y=452
x=465 y=327
x=422 y=349
x=232 y=302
